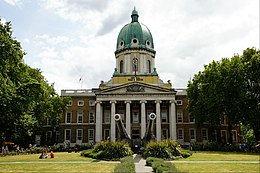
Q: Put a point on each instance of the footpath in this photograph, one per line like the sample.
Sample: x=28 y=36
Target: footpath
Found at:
x=140 y=165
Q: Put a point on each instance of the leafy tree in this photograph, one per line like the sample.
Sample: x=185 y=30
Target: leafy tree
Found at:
x=26 y=98
x=227 y=88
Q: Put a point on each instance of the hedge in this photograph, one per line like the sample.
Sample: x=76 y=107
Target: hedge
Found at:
x=126 y=166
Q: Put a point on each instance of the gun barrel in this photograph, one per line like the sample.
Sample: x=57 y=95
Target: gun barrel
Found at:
x=149 y=128
x=121 y=127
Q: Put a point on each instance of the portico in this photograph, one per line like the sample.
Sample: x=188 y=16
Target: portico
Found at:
x=134 y=105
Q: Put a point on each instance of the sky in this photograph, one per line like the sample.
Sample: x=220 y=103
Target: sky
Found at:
x=72 y=39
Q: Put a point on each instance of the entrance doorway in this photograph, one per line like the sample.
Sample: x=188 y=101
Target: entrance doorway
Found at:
x=136 y=140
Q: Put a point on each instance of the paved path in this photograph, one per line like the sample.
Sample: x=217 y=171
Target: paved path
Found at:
x=140 y=165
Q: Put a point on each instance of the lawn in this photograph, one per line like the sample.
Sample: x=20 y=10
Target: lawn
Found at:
x=220 y=162
x=63 y=162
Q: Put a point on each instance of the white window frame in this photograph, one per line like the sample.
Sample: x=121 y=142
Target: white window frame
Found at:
x=65 y=130
x=70 y=103
x=48 y=122
x=79 y=113
x=66 y=118
x=166 y=120
x=77 y=136
x=80 y=102
x=207 y=136
x=178 y=102
x=91 y=103
x=182 y=134
x=181 y=116
x=89 y=117
x=192 y=129
x=91 y=138
x=107 y=117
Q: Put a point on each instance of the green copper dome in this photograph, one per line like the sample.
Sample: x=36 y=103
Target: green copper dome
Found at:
x=134 y=35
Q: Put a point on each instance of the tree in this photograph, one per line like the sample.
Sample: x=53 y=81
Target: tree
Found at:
x=227 y=88
x=26 y=98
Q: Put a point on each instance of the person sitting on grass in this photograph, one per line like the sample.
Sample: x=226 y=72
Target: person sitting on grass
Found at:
x=42 y=156
x=52 y=154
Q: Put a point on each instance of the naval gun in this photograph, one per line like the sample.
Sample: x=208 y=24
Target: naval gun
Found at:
x=149 y=133
x=122 y=133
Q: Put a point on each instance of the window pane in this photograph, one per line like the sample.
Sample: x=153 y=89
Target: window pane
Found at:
x=68 y=117
x=135 y=117
x=107 y=117
x=164 y=117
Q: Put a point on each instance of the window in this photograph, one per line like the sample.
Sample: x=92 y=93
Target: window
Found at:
x=135 y=117
x=91 y=103
x=204 y=134
x=67 y=134
x=107 y=117
x=149 y=66
x=223 y=136
x=214 y=135
x=192 y=134
x=121 y=70
x=179 y=117
x=80 y=117
x=164 y=116
x=106 y=134
x=79 y=134
x=180 y=134
x=80 y=103
x=69 y=103
x=91 y=117
x=178 y=102
x=164 y=133
x=68 y=117
x=91 y=135
x=192 y=119
x=234 y=135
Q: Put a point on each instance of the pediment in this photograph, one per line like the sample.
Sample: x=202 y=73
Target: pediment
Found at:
x=136 y=88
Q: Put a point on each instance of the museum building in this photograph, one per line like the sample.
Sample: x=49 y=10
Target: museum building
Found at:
x=134 y=92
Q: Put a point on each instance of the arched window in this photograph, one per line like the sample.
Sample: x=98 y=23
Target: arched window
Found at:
x=149 y=66
x=121 y=66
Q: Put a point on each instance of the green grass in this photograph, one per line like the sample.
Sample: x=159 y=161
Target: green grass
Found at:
x=63 y=162
x=225 y=162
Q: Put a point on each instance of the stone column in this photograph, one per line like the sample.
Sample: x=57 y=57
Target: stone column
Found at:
x=98 y=133
x=173 y=126
x=128 y=119
x=113 y=123
x=143 y=118
x=158 y=121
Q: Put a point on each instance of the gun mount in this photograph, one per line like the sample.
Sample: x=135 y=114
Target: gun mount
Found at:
x=149 y=133
x=122 y=133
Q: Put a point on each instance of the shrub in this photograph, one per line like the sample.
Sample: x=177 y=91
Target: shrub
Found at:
x=185 y=154
x=166 y=150
x=109 y=151
x=159 y=166
x=150 y=160
x=126 y=166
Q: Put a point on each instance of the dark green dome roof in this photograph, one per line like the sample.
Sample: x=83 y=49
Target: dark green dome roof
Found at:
x=135 y=35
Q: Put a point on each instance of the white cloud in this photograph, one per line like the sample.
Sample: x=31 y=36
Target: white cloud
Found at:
x=17 y=3
x=187 y=35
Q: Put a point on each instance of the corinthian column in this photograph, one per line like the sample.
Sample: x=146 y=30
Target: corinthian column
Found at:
x=143 y=118
x=113 y=123
x=158 y=120
x=128 y=119
x=173 y=127
x=98 y=122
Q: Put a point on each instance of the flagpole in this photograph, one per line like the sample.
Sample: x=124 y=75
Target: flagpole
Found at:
x=135 y=66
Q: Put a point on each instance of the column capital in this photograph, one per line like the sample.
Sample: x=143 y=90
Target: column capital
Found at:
x=143 y=101
x=157 y=101
x=172 y=101
x=128 y=101
x=98 y=101
x=112 y=101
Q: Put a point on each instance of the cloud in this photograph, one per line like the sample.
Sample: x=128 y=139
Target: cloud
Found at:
x=47 y=39
x=17 y=3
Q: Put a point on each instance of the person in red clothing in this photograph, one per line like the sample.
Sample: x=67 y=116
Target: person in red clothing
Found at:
x=52 y=154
